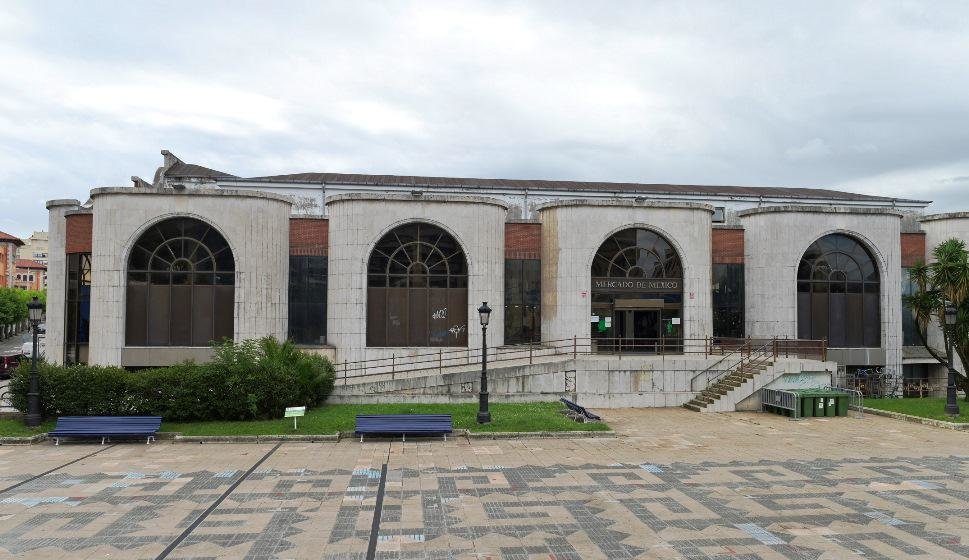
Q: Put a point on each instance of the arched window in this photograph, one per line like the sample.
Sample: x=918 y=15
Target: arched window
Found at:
x=838 y=293
x=637 y=253
x=417 y=289
x=181 y=283
x=637 y=293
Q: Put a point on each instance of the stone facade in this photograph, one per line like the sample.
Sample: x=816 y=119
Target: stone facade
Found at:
x=256 y=226
x=357 y=222
x=938 y=229
x=572 y=232
x=776 y=238
x=57 y=276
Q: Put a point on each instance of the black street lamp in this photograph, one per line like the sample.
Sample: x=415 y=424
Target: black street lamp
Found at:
x=484 y=416
x=951 y=405
x=35 y=310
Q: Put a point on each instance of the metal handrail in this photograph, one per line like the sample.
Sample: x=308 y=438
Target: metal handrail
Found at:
x=760 y=352
x=454 y=357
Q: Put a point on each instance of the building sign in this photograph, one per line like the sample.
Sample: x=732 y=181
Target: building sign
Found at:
x=628 y=285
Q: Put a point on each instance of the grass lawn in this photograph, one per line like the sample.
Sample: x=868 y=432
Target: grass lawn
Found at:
x=928 y=407
x=16 y=428
x=331 y=418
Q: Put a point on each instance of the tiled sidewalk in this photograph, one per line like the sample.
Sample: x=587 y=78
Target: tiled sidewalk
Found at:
x=680 y=485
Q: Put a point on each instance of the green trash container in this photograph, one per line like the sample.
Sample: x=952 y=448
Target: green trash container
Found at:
x=843 y=401
x=807 y=405
x=830 y=404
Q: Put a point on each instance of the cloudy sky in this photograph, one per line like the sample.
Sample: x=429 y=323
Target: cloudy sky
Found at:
x=871 y=97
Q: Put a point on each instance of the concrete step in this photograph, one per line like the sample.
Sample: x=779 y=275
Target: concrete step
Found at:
x=694 y=407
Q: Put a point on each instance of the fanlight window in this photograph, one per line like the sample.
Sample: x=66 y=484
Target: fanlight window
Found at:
x=838 y=293
x=417 y=295
x=637 y=253
x=181 y=282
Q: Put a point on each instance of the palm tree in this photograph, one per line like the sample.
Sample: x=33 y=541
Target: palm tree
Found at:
x=944 y=280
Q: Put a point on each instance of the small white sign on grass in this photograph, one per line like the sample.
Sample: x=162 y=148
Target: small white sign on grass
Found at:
x=294 y=412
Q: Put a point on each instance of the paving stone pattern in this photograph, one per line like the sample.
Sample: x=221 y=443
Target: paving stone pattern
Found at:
x=668 y=490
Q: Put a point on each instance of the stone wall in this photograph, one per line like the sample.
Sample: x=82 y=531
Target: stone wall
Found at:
x=357 y=222
x=56 y=278
x=572 y=232
x=256 y=226
x=938 y=229
x=775 y=240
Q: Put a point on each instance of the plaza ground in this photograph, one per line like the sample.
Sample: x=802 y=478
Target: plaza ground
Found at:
x=676 y=485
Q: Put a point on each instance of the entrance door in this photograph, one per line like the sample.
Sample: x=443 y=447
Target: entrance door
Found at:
x=638 y=330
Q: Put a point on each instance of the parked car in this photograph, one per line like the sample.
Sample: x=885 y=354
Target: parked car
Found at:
x=8 y=364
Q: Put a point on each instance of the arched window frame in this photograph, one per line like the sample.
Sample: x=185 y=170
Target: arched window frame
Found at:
x=612 y=258
x=180 y=285
x=417 y=278
x=839 y=293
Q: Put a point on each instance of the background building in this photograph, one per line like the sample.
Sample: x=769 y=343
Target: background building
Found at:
x=8 y=256
x=368 y=268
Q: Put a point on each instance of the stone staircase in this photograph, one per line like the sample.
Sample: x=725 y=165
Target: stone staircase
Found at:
x=739 y=376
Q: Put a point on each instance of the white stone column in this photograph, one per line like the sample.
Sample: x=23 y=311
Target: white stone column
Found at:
x=57 y=278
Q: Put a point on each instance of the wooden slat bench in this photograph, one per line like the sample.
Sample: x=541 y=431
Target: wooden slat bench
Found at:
x=403 y=424
x=580 y=410
x=105 y=426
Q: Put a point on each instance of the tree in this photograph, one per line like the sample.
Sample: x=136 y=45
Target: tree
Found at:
x=944 y=280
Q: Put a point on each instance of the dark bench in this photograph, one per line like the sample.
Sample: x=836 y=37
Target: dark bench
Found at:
x=579 y=410
x=403 y=424
x=105 y=426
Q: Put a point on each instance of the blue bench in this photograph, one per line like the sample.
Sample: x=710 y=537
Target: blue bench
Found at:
x=403 y=424
x=580 y=410
x=105 y=426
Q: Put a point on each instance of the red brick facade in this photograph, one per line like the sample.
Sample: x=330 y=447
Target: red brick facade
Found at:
x=727 y=246
x=309 y=236
x=523 y=241
x=913 y=249
x=78 y=234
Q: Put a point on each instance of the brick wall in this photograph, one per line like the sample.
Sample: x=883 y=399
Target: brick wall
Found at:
x=913 y=249
x=727 y=246
x=523 y=241
x=309 y=236
x=78 y=233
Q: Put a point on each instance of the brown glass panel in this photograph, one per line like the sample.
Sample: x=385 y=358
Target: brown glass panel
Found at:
x=136 y=319
x=418 y=317
x=440 y=312
x=203 y=315
x=397 y=316
x=458 y=317
x=836 y=320
x=855 y=327
x=819 y=316
x=804 y=315
x=376 y=316
x=873 y=328
x=159 y=302
x=181 y=310
x=224 y=312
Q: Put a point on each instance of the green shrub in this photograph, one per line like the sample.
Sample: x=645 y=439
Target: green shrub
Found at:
x=249 y=380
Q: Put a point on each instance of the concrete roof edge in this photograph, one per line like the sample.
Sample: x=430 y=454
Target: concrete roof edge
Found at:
x=79 y=211
x=944 y=216
x=62 y=202
x=423 y=197
x=193 y=191
x=807 y=209
x=626 y=202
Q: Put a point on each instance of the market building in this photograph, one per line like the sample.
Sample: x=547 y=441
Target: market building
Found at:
x=374 y=269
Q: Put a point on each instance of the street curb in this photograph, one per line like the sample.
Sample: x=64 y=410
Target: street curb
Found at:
x=542 y=435
x=958 y=426
x=308 y=438
x=26 y=440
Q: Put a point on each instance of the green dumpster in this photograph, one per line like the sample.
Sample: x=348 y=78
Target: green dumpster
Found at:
x=843 y=402
x=806 y=404
x=830 y=406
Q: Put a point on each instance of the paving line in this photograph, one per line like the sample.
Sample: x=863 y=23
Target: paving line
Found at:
x=33 y=478
x=378 y=507
x=168 y=550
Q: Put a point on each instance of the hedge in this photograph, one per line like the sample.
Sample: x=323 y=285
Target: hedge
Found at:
x=244 y=381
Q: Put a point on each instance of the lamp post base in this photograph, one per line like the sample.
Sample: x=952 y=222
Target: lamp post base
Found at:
x=484 y=417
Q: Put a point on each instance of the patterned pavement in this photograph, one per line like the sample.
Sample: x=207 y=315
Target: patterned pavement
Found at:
x=679 y=485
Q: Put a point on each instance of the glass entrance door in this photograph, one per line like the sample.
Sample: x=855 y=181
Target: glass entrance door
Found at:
x=638 y=330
